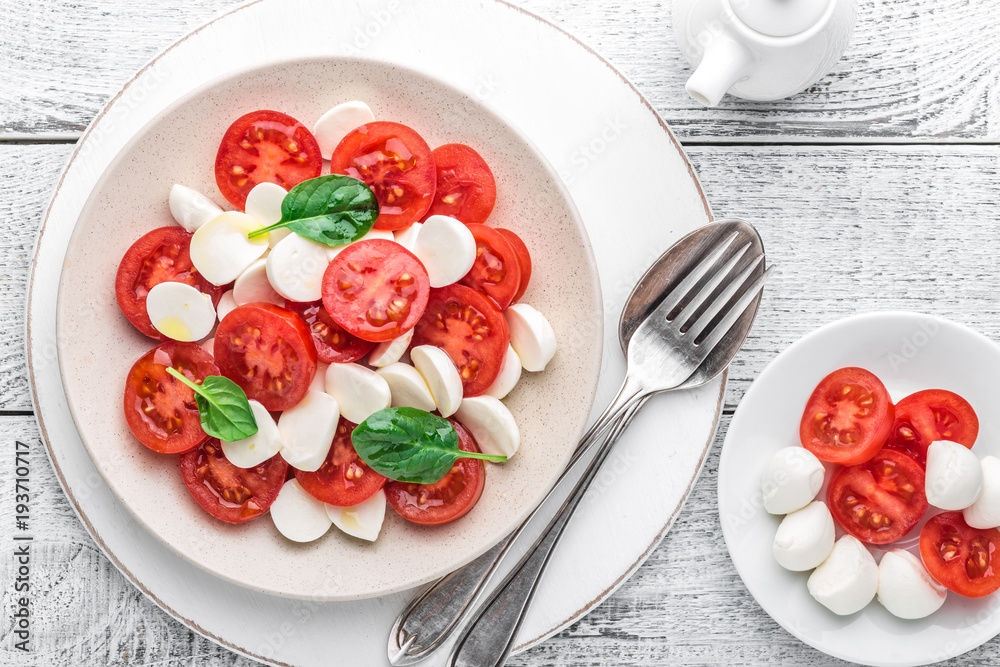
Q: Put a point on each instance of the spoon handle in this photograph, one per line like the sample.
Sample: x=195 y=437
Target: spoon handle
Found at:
x=489 y=638
x=437 y=612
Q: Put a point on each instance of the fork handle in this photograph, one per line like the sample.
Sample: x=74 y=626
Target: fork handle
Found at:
x=489 y=638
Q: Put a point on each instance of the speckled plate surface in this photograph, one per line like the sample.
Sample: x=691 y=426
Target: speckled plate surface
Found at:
x=179 y=147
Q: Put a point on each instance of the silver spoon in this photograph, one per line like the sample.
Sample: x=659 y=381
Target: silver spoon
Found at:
x=436 y=613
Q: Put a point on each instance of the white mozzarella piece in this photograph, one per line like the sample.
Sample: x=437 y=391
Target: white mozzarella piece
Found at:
x=408 y=237
x=371 y=235
x=510 y=373
x=491 y=424
x=954 y=476
x=307 y=430
x=791 y=480
x=846 y=581
x=985 y=512
x=295 y=268
x=446 y=248
x=252 y=286
x=264 y=203
x=335 y=124
x=190 y=208
x=259 y=447
x=804 y=538
x=180 y=311
x=319 y=378
x=905 y=588
x=441 y=375
x=364 y=520
x=227 y=304
x=408 y=387
x=531 y=336
x=220 y=249
x=360 y=391
x=297 y=515
x=209 y=345
x=390 y=351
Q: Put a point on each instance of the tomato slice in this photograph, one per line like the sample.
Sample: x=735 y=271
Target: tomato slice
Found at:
x=959 y=557
x=523 y=260
x=880 y=500
x=333 y=344
x=397 y=165
x=232 y=494
x=447 y=499
x=931 y=415
x=161 y=256
x=159 y=408
x=471 y=329
x=847 y=418
x=466 y=189
x=376 y=290
x=343 y=479
x=496 y=272
x=268 y=351
x=265 y=147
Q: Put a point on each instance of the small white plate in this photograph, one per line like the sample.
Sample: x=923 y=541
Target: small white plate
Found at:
x=908 y=352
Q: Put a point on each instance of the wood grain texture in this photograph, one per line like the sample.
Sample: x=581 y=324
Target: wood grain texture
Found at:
x=915 y=71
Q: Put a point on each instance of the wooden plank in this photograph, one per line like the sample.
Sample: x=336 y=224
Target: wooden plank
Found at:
x=915 y=71
x=849 y=229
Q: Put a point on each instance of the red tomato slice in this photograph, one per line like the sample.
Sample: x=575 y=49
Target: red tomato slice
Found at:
x=960 y=557
x=333 y=344
x=397 y=165
x=269 y=352
x=447 y=499
x=161 y=256
x=466 y=189
x=880 y=500
x=470 y=329
x=232 y=494
x=931 y=415
x=847 y=418
x=159 y=408
x=343 y=479
x=265 y=147
x=376 y=290
x=523 y=260
x=496 y=272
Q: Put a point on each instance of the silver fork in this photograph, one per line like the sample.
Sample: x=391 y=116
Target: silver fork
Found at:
x=664 y=352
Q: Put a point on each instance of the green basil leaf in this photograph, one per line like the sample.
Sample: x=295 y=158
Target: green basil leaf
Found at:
x=333 y=210
x=410 y=445
x=223 y=405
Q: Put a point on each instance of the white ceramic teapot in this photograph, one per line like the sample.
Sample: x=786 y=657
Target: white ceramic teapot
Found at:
x=760 y=49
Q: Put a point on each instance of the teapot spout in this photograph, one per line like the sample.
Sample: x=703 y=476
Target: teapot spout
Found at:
x=726 y=61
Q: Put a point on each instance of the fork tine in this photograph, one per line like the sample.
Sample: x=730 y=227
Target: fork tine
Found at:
x=671 y=300
x=713 y=283
x=723 y=298
x=734 y=313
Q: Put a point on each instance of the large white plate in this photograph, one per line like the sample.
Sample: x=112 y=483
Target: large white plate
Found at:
x=589 y=122
x=908 y=352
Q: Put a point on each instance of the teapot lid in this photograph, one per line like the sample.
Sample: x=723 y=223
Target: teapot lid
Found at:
x=780 y=18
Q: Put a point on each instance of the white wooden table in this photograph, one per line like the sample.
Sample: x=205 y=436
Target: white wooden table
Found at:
x=877 y=189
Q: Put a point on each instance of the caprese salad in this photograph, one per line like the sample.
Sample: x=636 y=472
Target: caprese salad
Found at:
x=343 y=338
x=891 y=465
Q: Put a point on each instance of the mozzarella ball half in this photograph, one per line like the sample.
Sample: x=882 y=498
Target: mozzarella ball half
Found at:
x=905 y=588
x=531 y=336
x=804 y=538
x=791 y=480
x=297 y=515
x=360 y=391
x=363 y=520
x=954 y=476
x=259 y=447
x=846 y=581
x=985 y=512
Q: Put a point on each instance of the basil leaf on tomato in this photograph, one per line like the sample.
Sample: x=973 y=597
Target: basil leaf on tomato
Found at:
x=410 y=445
x=333 y=210
x=223 y=405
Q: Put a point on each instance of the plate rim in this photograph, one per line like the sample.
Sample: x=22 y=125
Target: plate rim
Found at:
x=848 y=321
x=135 y=581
